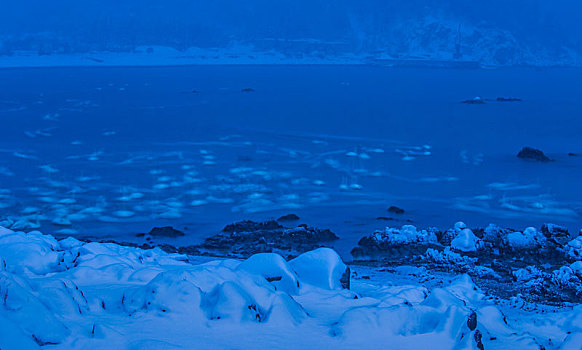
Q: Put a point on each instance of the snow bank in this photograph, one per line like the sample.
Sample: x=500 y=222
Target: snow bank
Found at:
x=70 y=294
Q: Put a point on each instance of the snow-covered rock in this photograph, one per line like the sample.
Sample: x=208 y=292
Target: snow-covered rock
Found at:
x=529 y=238
x=466 y=241
x=574 y=248
x=407 y=234
x=447 y=256
x=322 y=268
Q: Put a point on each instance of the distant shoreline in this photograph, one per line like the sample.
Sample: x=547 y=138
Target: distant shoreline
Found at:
x=168 y=58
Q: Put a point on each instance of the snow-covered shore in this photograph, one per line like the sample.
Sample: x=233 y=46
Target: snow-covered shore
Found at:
x=159 y=56
x=69 y=294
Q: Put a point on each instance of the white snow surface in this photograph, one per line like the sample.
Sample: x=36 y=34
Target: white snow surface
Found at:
x=73 y=295
x=465 y=241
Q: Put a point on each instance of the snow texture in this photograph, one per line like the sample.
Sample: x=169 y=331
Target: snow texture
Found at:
x=71 y=294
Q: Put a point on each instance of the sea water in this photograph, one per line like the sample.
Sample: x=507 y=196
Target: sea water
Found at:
x=110 y=152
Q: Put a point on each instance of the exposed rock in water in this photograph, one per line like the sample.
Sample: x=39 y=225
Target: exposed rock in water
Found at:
x=475 y=101
x=384 y=218
x=530 y=153
x=508 y=99
x=245 y=238
x=247 y=90
x=395 y=210
x=572 y=154
x=288 y=217
x=166 y=231
x=249 y=226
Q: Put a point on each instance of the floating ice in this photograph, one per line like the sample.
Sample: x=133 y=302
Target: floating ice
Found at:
x=198 y=202
x=123 y=213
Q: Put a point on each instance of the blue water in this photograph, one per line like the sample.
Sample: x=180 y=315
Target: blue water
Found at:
x=335 y=144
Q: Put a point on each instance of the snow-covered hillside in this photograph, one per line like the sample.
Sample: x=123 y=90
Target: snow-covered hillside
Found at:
x=493 y=33
x=69 y=294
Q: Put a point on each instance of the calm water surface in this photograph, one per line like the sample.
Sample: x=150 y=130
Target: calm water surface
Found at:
x=115 y=151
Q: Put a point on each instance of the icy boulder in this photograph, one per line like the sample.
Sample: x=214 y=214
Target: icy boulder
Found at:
x=274 y=269
x=406 y=239
x=322 y=268
x=529 y=238
x=406 y=235
x=574 y=248
x=447 y=257
x=494 y=235
x=527 y=274
x=466 y=241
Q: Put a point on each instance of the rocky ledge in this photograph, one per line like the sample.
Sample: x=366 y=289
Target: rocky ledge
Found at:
x=535 y=265
x=245 y=238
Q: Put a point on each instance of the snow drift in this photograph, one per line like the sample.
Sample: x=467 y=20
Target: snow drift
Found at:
x=71 y=294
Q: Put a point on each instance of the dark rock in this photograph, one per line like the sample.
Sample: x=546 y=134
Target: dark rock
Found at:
x=384 y=218
x=472 y=321
x=533 y=154
x=345 y=279
x=166 y=231
x=250 y=226
x=247 y=90
x=274 y=279
x=395 y=210
x=572 y=154
x=508 y=99
x=246 y=238
x=478 y=336
x=556 y=234
x=288 y=217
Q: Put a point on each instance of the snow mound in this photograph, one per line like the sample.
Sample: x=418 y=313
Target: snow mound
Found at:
x=322 y=268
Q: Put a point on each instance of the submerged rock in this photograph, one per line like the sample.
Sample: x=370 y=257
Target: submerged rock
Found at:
x=166 y=231
x=530 y=153
x=395 y=210
x=247 y=90
x=508 y=99
x=249 y=226
x=288 y=217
